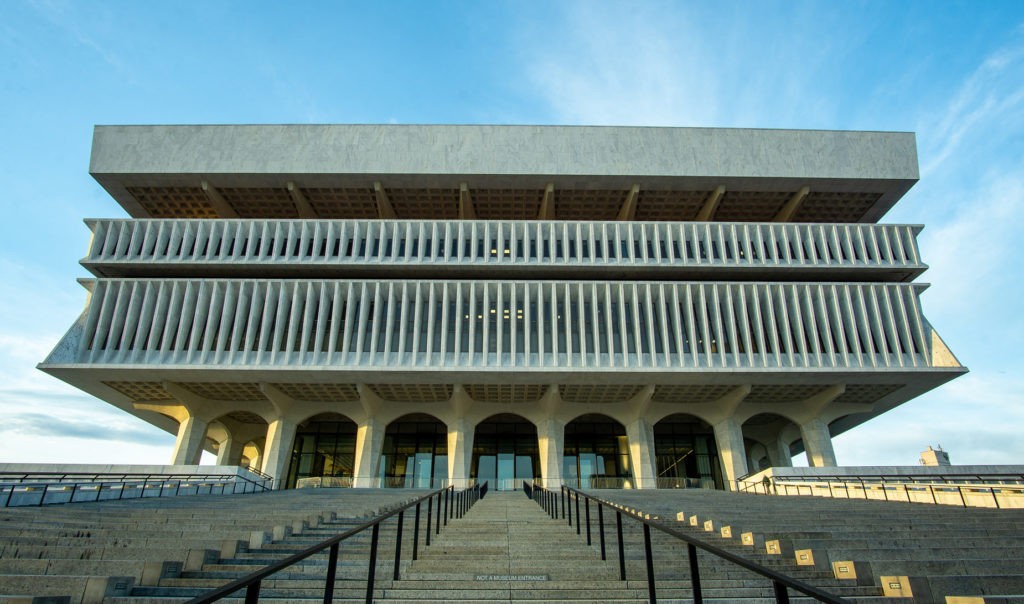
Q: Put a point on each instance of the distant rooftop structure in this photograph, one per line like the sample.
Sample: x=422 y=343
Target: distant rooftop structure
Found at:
x=935 y=457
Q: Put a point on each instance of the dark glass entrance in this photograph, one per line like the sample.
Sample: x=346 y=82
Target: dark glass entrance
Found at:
x=596 y=453
x=415 y=453
x=687 y=455
x=505 y=452
x=324 y=452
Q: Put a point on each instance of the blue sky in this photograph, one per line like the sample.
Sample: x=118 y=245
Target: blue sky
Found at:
x=951 y=72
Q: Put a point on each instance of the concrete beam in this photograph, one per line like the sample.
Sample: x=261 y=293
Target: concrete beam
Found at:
x=385 y=211
x=707 y=211
x=220 y=205
x=547 y=204
x=628 y=210
x=788 y=210
x=301 y=203
x=466 y=209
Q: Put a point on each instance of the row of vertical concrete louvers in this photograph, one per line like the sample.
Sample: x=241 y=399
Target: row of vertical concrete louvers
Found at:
x=404 y=324
x=493 y=242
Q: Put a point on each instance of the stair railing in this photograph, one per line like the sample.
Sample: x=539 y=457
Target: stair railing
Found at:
x=566 y=503
x=450 y=504
x=77 y=487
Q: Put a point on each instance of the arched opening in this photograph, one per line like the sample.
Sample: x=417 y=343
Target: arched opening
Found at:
x=324 y=452
x=767 y=437
x=505 y=452
x=686 y=453
x=596 y=454
x=415 y=453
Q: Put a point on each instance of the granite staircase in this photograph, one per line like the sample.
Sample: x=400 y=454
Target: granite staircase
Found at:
x=923 y=553
x=91 y=551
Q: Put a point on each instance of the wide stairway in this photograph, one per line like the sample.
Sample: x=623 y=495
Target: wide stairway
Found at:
x=506 y=548
x=142 y=547
x=934 y=553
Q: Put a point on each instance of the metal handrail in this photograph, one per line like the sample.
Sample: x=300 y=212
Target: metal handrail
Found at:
x=79 y=481
x=562 y=507
x=454 y=505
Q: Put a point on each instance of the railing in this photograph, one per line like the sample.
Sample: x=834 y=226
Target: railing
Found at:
x=600 y=482
x=118 y=243
x=684 y=482
x=411 y=482
x=566 y=504
x=450 y=504
x=18 y=489
x=966 y=490
x=323 y=482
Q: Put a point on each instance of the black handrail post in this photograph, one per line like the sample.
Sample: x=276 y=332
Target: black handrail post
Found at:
x=446 y=505
x=563 y=502
x=650 y=564
x=569 y=495
x=252 y=593
x=577 y=513
x=332 y=569
x=781 y=593
x=587 y=504
x=622 y=549
x=430 y=512
x=416 y=534
x=698 y=597
x=398 y=545
x=437 y=528
x=600 y=527
x=373 y=563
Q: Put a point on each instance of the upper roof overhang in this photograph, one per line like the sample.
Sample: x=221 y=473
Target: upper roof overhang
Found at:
x=577 y=157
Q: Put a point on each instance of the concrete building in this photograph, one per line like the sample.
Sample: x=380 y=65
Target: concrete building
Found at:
x=413 y=305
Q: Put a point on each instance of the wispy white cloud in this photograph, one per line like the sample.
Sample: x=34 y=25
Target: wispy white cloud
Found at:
x=623 y=67
x=61 y=15
x=994 y=90
x=973 y=252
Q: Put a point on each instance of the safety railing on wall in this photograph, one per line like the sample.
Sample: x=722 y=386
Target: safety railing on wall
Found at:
x=449 y=503
x=19 y=489
x=567 y=503
x=966 y=490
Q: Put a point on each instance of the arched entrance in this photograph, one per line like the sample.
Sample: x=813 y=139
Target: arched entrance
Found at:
x=505 y=452
x=596 y=453
x=324 y=452
x=415 y=453
x=686 y=453
x=768 y=437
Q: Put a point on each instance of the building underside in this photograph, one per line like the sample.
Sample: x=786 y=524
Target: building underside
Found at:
x=425 y=305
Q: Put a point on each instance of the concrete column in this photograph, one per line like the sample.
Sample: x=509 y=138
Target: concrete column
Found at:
x=278 y=450
x=551 y=445
x=369 y=442
x=229 y=453
x=460 y=452
x=778 y=454
x=732 y=453
x=641 y=454
x=189 y=446
x=818 y=444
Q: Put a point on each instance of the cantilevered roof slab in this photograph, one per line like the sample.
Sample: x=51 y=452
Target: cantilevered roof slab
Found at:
x=433 y=167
